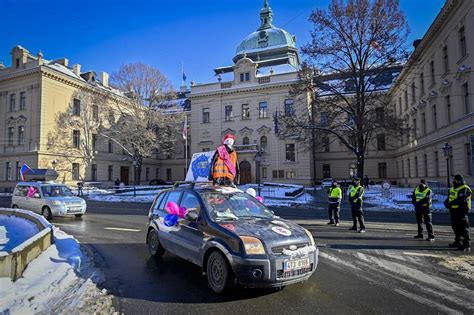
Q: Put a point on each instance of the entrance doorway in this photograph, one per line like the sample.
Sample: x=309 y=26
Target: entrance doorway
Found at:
x=245 y=172
x=124 y=173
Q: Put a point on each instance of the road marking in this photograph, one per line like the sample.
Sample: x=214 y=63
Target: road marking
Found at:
x=424 y=255
x=121 y=229
x=64 y=224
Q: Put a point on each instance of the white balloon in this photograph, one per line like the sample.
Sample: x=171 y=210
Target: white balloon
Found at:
x=251 y=192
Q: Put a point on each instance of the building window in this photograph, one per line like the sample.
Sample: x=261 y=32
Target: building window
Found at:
x=425 y=164
x=245 y=111
x=157 y=173
x=76 y=107
x=264 y=172
x=383 y=170
x=12 y=102
x=448 y=107
x=110 y=173
x=17 y=170
x=76 y=138
x=406 y=99
x=10 y=135
x=465 y=93
x=436 y=163
x=381 y=142
x=432 y=72
x=110 y=146
x=290 y=149
x=435 y=118
x=95 y=112
x=205 y=115
x=462 y=41
x=278 y=174
x=325 y=143
x=290 y=174
x=326 y=171
x=289 y=107
x=403 y=168
x=8 y=171
x=423 y=123
x=445 y=59
x=422 y=83
x=147 y=174
x=415 y=127
x=380 y=115
x=94 y=142
x=242 y=77
x=75 y=171
x=413 y=92
x=94 y=172
x=229 y=115
x=262 y=109
x=22 y=100
x=247 y=76
x=17 y=63
x=324 y=119
x=263 y=144
x=168 y=174
x=21 y=135
x=400 y=104
x=409 y=167
x=245 y=141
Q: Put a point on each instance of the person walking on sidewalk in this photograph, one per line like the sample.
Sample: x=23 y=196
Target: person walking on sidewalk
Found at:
x=335 y=198
x=366 y=182
x=421 y=199
x=356 y=191
x=459 y=205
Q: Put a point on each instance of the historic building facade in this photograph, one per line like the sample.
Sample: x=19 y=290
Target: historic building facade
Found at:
x=32 y=92
x=242 y=102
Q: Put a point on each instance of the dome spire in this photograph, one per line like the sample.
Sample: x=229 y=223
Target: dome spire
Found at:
x=266 y=16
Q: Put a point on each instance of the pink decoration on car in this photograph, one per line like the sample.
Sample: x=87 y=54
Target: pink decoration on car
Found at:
x=182 y=212
x=172 y=207
x=259 y=198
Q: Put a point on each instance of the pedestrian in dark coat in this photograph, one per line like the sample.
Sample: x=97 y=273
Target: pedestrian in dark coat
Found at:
x=366 y=182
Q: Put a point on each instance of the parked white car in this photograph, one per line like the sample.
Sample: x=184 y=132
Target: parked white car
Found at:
x=48 y=199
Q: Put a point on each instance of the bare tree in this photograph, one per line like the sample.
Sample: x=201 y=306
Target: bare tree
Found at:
x=142 y=129
x=351 y=62
x=75 y=135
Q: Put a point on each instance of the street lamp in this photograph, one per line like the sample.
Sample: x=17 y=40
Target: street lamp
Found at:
x=447 y=150
x=258 y=160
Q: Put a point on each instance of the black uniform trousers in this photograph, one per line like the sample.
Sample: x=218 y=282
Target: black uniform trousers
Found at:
x=424 y=214
x=357 y=214
x=333 y=210
x=460 y=225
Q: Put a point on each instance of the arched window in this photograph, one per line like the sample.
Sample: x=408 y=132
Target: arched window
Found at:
x=263 y=143
x=245 y=141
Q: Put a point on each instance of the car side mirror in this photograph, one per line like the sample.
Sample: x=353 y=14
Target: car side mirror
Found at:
x=191 y=215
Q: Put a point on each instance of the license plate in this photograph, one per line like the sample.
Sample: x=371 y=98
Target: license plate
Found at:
x=289 y=265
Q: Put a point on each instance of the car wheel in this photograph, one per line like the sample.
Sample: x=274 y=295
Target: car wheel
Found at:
x=154 y=246
x=218 y=272
x=14 y=207
x=78 y=215
x=46 y=212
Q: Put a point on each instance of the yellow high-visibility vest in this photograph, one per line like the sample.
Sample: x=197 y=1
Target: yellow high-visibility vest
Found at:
x=420 y=195
x=354 y=189
x=453 y=195
x=335 y=192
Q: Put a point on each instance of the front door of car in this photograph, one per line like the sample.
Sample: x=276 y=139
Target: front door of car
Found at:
x=189 y=232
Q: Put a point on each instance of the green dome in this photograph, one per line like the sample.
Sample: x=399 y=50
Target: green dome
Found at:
x=264 y=39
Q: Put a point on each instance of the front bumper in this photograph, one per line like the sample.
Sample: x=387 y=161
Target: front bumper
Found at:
x=268 y=272
x=67 y=210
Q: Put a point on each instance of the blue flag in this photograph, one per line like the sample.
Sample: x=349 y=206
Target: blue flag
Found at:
x=184 y=76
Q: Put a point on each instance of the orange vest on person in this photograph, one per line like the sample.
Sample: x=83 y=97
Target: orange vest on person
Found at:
x=221 y=170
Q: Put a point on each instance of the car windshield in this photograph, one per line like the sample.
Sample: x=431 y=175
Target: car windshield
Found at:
x=234 y=206
x=55 y=191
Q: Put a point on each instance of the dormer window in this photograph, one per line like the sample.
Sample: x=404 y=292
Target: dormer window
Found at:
x=17 y=63
x=244 y=77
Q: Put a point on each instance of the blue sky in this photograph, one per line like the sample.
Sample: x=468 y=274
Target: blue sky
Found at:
x=203 y=34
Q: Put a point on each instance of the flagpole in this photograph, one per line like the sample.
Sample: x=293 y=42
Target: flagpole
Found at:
x=186 y=145
x=182 y=73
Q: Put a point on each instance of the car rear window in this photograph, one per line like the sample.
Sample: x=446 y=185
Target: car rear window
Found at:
x=21 y=191
x=190 y=201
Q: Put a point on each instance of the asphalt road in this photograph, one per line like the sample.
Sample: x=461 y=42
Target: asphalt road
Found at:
x=346 y=280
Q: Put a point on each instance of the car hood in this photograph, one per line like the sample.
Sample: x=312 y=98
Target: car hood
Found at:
x=68 y=199
x=272 y=232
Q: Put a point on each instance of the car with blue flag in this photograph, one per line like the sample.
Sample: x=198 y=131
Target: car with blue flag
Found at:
x=231 y=235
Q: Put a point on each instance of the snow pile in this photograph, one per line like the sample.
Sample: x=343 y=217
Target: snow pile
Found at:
x=14 y=231
x=60 y=280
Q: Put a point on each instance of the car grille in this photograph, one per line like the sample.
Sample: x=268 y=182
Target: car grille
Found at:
x=293 y=274
x=278 y=250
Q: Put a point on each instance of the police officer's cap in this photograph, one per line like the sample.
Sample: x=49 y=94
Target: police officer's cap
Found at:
x=459 y=177
x=356 y=179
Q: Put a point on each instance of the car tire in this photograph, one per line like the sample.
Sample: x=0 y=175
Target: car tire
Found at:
x=219 y=274
x=14 y=207
x=78 y=215
x=46 y=212
x=154 y=246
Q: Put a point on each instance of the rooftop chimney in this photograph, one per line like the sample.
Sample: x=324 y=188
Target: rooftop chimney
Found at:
x=76 y=69
x=62 y=61
x=416 y=42
x=104 y=79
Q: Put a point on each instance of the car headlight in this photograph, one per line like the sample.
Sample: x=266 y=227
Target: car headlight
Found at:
x=310 y=236
x=253 y=246
x=57 y=203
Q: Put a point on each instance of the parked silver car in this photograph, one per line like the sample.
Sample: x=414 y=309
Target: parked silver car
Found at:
x=49 y=199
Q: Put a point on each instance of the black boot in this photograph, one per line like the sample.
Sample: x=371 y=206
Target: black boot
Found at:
x=353 y=228
x=418 y=236
x=456 y=244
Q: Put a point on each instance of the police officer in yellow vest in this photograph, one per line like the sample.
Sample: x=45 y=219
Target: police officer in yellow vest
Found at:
x=335 y=198
x=421 y=199
x=356 y=191
x=459 y=205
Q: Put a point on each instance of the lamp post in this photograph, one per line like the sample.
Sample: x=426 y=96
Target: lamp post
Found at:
x=258 y=160
x=447 y=150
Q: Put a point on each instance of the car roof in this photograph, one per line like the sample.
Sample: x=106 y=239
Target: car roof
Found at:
x=203 y=187
x=39 y=184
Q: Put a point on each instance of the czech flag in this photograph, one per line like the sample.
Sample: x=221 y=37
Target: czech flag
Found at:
x=25 y=169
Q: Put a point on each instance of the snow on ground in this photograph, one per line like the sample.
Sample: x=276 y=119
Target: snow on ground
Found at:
x=61 y=280
x=14 y=231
